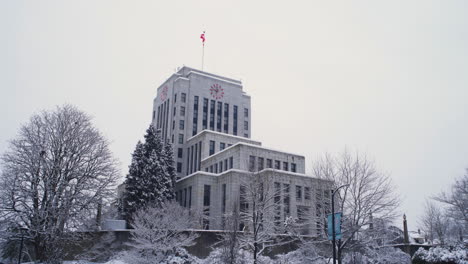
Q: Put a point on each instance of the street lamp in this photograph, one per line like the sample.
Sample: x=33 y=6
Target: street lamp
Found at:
x=22 y=229
x=333 y=220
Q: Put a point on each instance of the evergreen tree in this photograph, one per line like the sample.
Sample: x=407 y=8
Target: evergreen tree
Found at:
x=151 y=177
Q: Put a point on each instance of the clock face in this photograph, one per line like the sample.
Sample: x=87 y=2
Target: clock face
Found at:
x=163 y=93
x=216 y=91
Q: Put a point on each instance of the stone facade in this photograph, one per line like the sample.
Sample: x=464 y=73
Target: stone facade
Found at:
x=207 y=118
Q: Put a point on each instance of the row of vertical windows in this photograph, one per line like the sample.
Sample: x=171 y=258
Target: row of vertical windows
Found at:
x=221 y=166
x=218 y=110
x=194 y=158
x=257 y=164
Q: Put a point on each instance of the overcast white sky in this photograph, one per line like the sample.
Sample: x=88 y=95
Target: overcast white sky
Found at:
x=386 y=78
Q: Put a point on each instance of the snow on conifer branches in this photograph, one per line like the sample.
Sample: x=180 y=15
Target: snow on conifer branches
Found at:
x=151 y=177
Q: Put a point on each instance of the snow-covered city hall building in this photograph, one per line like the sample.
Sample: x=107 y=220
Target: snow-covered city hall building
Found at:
x=207 y=118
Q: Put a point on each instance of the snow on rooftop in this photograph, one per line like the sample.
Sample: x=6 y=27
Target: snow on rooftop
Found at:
x=206 y=131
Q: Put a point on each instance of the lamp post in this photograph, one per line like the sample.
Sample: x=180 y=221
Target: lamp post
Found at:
x=22 y=229
x=333 y=220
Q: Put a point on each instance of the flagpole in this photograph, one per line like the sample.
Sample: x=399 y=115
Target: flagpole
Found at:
x=203 y=50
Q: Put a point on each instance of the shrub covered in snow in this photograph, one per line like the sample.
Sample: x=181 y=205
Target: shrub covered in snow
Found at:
x=456 y=254
x=387 y=255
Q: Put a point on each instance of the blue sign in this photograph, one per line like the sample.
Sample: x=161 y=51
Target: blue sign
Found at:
x=337 y=226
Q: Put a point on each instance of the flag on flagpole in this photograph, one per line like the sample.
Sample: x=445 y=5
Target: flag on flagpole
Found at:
x=203 y=38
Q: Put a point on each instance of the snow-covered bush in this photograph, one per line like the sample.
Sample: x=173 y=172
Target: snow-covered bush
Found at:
x=160 y=233
x=303 y=255
x=456 y=254
x=243 y=256
x=387 y=255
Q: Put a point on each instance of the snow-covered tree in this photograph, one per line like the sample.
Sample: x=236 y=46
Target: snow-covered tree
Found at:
x=457 y=204
x=229 y=244
x=161 y=231
x=258 y=200
x=434 y=222
x=151 y=176
x=369 y=195
x=55 y=174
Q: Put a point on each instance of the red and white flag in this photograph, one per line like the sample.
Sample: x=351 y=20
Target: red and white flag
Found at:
x=203 y=38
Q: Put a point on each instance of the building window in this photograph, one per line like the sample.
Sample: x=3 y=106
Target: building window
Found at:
x=179 y=167
x=190 y=196
x=182 y=111
x=222 y=146
x=299 y=193
x=226 y=118
x=219 y=116
x=182 y=97
x=206 y=204
x=252 y=163
x=185 y=197
x=212 y=147
x=211 y=168
x=307 y=193
x=286 y=200
x=188 y=159
x=206 y=195
x=181 y=138
x=154 y=114
x=173 y=124
x=172 y=138
x=285 y=166
x=212 y=114
x=246 y=112
x=221 y=166
x=174 y=111
x=261 y=162
x=277 y=203
x=277 y=165
x=216 y=168
x=205 y=113
x=223 y=206
x=180 y=152
x=180 y=197
x=269 y=163
x=175 y=98
x=246 y=125
x=293 y=167
x=181 y=124
x=231 y=162
x=199 y=154
x=243 y=203
x=226 y=164
x=234 y=124
x=246 y=135
x=195 y=116
x=191 y=159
